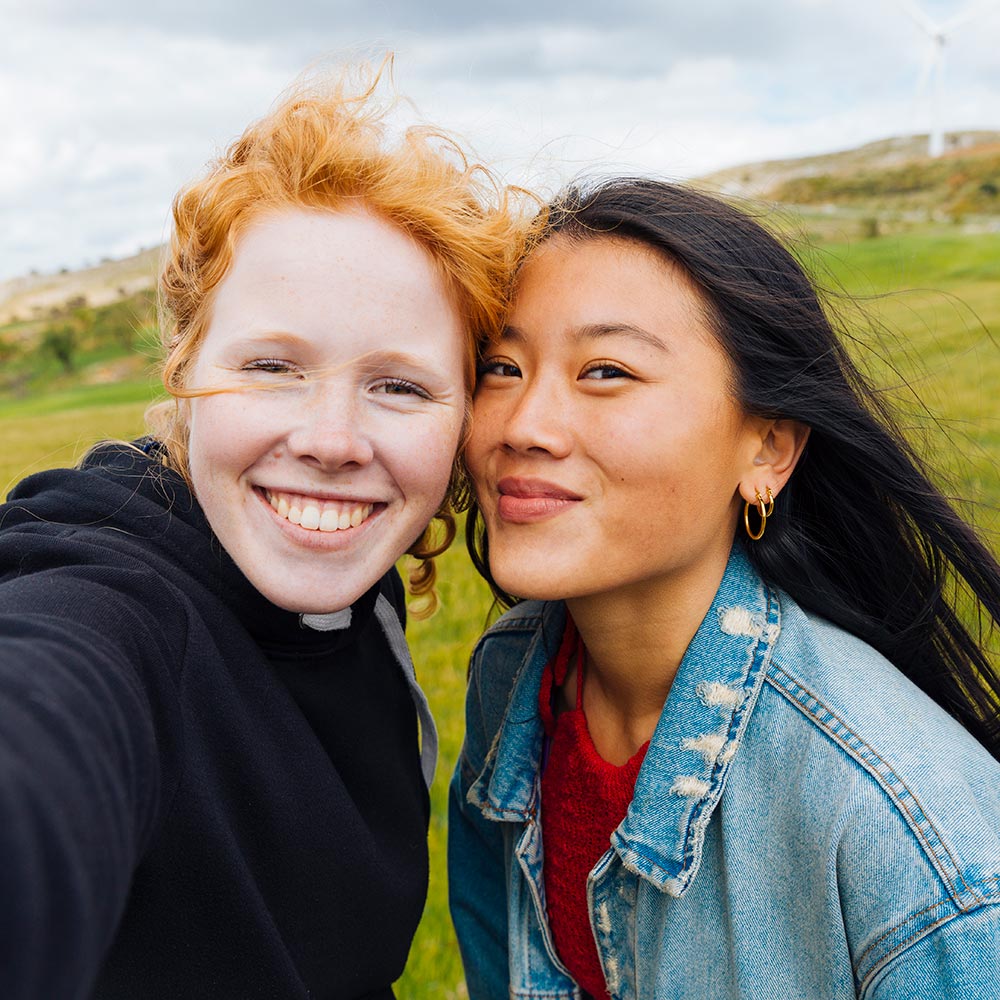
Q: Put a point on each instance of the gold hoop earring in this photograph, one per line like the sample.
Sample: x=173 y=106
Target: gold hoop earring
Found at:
x=764 y=511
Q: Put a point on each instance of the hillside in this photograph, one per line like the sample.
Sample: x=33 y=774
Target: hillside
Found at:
x=884 y=186
x=768 y=177
x=36 y=296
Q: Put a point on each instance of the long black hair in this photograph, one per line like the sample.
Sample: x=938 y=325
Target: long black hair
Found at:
x=860 y=534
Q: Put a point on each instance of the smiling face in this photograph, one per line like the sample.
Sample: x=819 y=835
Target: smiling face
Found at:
x=345 y=349
x=607 y=449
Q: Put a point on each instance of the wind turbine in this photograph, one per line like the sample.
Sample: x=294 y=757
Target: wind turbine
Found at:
x=932 y=75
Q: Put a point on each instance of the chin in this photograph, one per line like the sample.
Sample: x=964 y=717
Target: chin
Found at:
x=532 y=587
x=308 y=601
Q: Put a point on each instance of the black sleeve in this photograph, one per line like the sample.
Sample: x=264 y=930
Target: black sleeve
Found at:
x=80 y=776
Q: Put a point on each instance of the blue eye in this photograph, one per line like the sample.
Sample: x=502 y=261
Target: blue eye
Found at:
x=497 y=366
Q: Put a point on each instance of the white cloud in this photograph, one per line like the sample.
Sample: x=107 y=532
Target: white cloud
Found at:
x=106 y=108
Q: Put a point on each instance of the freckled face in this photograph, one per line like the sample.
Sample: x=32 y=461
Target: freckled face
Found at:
x=341 y=350
x=607 y=449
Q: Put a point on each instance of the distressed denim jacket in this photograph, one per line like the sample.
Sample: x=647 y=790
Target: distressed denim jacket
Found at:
x=806 y=824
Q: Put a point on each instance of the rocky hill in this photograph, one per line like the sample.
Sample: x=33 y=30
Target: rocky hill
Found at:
x=768 y=177
x=37 y=296
x=892 y=179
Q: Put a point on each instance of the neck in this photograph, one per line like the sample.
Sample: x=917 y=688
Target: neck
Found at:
x=635 y=639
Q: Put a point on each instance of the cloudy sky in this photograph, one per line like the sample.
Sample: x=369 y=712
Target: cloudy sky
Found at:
x=108 y=106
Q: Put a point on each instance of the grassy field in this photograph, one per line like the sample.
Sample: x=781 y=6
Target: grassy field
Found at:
x=934 y=347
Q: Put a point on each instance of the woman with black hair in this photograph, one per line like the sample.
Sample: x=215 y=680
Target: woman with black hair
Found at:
x=739 y=741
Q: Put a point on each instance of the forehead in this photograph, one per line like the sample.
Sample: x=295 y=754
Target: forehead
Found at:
x=295 y=269
x=300 y=242
x=605 y=279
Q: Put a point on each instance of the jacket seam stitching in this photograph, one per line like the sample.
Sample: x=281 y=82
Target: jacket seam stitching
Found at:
x=893 y=930
x=917 y=935
x=940 y=863
x=759 y=653
x=482 y=801
x=525 y=624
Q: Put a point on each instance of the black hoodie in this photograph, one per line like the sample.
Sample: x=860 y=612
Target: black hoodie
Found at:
x=199 y=797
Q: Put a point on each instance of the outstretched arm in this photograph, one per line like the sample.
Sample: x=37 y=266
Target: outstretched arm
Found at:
x=80 y=780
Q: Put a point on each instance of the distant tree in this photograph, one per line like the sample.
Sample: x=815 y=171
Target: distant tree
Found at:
x=82 y=317
x=9 y=350
x=61 y=342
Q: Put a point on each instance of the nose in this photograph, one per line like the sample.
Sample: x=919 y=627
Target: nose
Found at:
x=329 y=430
x=538 y=420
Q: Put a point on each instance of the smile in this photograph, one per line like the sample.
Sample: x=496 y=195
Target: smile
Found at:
x=318 y=515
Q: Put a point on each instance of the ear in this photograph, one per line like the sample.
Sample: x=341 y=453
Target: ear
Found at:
x=781 y=445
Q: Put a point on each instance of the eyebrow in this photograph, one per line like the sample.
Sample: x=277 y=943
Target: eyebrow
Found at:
x=278 y=338
x=596 y=331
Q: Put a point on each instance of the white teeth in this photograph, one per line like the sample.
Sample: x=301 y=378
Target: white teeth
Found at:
x=329 y=515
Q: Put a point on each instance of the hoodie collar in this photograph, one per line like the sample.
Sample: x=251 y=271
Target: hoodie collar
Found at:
x=125 y=487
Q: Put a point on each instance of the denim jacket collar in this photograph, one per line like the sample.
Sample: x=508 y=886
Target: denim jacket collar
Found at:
x=692 y=748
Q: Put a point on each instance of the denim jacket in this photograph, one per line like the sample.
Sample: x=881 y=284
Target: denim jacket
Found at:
x=806 y=824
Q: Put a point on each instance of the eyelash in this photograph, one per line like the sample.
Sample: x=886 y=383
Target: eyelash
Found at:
x=275 y=366
x=402 y=383
x=606 y=366
x=490 y=366
x=278 y=366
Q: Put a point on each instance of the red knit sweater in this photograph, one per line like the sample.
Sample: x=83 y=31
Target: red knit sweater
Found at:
x=584 y=798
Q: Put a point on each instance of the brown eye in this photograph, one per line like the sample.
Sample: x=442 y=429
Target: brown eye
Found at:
x=604 y=370
x=499 y=367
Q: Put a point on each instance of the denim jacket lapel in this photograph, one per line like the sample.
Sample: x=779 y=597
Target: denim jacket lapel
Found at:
x=696 y=739
x=507 y=787
x=684 y=773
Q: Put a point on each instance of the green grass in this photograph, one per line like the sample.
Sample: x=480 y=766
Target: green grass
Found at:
x=441 y=646
x=56 y=429
x=926 y=318
x=942 y=344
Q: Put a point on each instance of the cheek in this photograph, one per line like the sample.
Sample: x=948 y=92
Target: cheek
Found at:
x=484 y=434
x=422 y=458
x=199 y=421
x=203 y=460
x=222 y=436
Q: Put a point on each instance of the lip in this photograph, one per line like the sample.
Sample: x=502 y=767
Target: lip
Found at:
x=527 y=501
